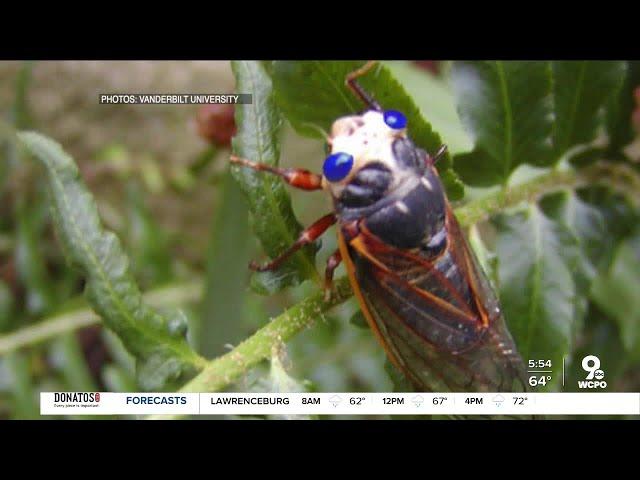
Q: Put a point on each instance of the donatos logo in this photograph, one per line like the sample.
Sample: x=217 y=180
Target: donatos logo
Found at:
x=76 y=397
x=595 y=375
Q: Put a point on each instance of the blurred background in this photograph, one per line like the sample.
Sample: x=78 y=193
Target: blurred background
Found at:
x=158 y=173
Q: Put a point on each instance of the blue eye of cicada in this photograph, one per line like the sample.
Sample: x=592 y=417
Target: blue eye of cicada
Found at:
x=337 y=166
x=395 y=119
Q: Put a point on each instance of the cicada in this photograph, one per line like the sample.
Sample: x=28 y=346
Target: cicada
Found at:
x=419 y=285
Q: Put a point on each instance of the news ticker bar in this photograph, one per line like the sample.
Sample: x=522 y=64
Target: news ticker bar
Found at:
x=341 y=403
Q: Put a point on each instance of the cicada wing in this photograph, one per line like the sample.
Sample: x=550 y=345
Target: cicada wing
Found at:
x=486 y=365
x=433 y=319
x=498 y=336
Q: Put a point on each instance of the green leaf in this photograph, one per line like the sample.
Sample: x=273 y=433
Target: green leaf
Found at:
x=585 y=222
x=537 y=288
x=507 y=108
x=313 y=94
x=587 y=226
x=435 y=99
x=620 y=218
x=156 y=341
x=581 y=90
x=620 y=108
x=616 y=293
x=273 y=220
x=222 y=311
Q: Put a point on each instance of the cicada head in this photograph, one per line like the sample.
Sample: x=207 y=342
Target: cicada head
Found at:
x=363 y=156
x=375 y=173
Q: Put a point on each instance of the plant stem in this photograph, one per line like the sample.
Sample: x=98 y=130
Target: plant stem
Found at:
x=65 y=322
x=619 y=177
x=220 y=372
x=224 y=370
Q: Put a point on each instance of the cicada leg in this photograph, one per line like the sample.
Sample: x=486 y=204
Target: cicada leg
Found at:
x=296 y=177
x=353 y=85
x=332 y=263
x=308 y=235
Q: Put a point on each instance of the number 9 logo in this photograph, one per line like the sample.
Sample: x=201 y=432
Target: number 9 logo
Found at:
x=591 y=364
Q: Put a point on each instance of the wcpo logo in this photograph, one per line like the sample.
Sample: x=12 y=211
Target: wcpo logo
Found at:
x=595 y=375
x=76 y=399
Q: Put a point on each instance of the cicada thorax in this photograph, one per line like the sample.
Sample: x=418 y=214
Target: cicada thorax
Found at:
x=417 y=280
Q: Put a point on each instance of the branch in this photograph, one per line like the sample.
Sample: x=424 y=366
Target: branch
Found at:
x=224 y=370
x=618 y=176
